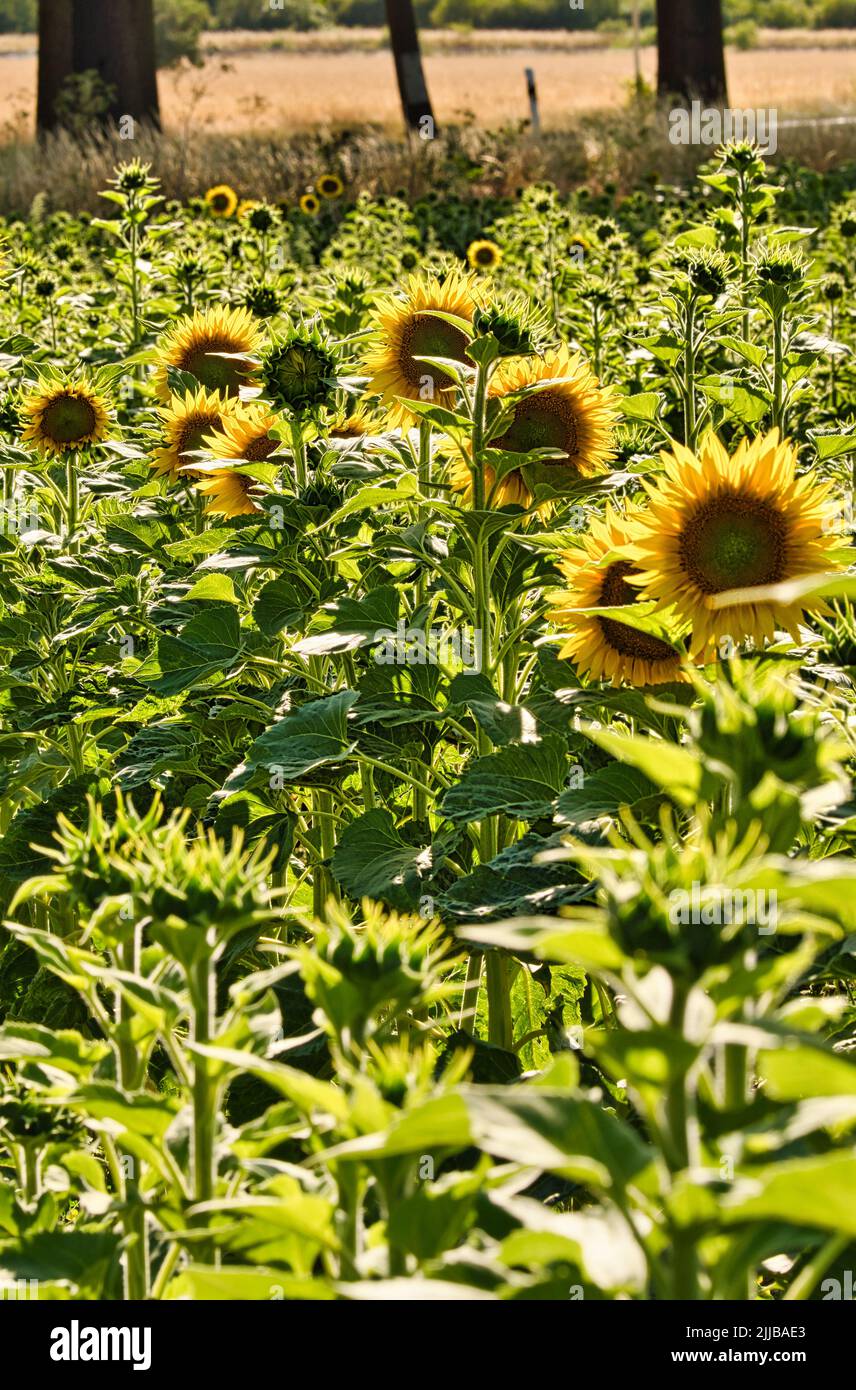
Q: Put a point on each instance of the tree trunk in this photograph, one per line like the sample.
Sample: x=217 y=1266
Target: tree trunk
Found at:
x=56 y=62
x=115 y=38
x=404 y=39
x=690 y=50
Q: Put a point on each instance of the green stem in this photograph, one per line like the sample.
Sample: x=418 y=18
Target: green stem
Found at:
x=804 y=1284
x=778 y=370
x=689 y=378
x=298 y=449
x=72 y=499
x=500 y=1028
x=470 y=993
x=684 y=1255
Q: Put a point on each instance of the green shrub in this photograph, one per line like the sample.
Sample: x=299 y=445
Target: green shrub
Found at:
x=178 y=27
x=836 y=14
x=743 y=35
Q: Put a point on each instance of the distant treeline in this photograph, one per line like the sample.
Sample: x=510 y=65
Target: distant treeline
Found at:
x=19 y=16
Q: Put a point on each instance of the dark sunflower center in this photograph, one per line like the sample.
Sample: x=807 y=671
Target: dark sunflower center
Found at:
x=615 y=592
x=220 y=202
x=734 y=542
x=485 y=255
x=68 y=420
x=224 y=374
x=194 y=430
x=542 y=421
x=427 y=336
x=259 y=449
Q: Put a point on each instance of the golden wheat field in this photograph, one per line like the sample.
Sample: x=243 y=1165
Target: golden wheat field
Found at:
x=246 y=85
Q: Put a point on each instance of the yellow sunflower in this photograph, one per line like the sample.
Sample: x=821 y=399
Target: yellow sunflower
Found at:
x=213 y=345
x=228 y=493
x=717 y=523
x=61 y=417
x=408 y=327
x=330 y=186
x=355 y=424
x=484 y=255
x=604 y=648
x=221 y=201
x=574 y=415
x=246 y=206
x=309 y=204
x=245 y=435
x=187 y=422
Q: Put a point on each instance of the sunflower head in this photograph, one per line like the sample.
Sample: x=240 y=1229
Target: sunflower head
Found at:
x=227 y=492
x=355 y=423
x=299 y=372
x=263 y=301
x=568 y=412
x=431 y=319
x=215 y=346
x=484 y=255
x=245 y=434
x=604 y=648
x=719 y=524
x=60 y=417
x=310 y=205
x=330 y=186
x=221 y=201
x=134 y=177
x=187 y=422
x=261 y=218
x=518 y=328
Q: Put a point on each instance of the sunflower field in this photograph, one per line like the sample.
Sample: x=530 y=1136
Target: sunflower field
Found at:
x=428 y=653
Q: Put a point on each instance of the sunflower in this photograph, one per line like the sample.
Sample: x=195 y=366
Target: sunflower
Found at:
x=62 y=416
x=188 y=420
x=245 y=435
x=228 y=493
x=221 y=201
x=310 y=204
x=355 y=424
x=330 y=186
x=214 y=346
x=574 y=415
x=604 y=648
x=408 y=328
x=246 y=206
x=484 y=255
x=717 y=523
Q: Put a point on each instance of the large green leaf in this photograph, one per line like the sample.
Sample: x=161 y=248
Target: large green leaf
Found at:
x=603 y=793
x=372 y=860
x=208 y=645
x=307 y=738
x=816 y=1191
x=522 y=781
x=673 y=768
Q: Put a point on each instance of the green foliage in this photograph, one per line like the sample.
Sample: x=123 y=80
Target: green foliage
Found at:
x=333 y=966
x=178 y=27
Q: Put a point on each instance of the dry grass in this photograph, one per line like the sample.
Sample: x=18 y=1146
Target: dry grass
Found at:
x=264 y=90
x=268 y=120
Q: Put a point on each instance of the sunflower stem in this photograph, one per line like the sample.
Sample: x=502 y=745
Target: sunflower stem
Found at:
x=689 y=378
x=72 y=496
x=778 y=371
x=298 y=449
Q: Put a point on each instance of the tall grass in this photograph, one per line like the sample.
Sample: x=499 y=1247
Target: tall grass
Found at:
x=624 y=148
